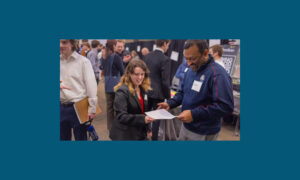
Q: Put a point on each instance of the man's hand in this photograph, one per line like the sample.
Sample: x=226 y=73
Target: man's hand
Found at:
x=186 y=116
x=163 y=105
x=64 y=87
x=91 y=116
x=126 y=58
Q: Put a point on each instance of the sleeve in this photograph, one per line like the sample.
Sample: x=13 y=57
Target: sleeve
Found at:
x=165 y=74
x=91 y=86
x=180 y=72
x=101 y=64
x=121 y=105
x=119 y=64
x=222 y=103
x=94 y=62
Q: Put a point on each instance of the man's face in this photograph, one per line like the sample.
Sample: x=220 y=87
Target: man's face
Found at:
x=65 y=47
x=120 y=47
x=145 y=51
x=166 y=47
x=193 y=57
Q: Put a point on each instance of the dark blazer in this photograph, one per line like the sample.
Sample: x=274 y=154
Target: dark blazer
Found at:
x=129 y=123
x=159 y=66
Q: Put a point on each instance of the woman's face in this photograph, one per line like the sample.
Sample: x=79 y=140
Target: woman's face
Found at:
x=138 y=76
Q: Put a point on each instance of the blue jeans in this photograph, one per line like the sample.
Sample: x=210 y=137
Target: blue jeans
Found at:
x=69 y=120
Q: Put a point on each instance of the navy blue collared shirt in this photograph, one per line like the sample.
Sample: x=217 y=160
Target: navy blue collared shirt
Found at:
x=208 y=94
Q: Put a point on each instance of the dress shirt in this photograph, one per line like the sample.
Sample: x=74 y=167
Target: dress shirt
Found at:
x=160 y=49
x=76 y=72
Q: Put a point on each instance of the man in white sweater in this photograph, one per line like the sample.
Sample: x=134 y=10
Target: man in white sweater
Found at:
x=77 y=81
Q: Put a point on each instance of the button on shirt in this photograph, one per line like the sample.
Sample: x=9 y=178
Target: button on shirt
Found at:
x=76 y=72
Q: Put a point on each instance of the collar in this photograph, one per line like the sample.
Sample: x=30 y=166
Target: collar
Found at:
x=73 y=56
x=159 y=49
x=210 y=59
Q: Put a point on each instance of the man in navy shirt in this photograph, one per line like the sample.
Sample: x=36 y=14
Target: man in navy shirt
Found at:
x=206 y=94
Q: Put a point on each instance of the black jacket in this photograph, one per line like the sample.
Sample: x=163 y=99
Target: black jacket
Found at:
x=129 y=123
x=159 y=66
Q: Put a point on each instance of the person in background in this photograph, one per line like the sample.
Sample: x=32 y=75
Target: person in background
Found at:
x=217 y=51
x=85 y=48
x=113 y=70
x=93 y=57
x=125 y=55
x=134 y=55
x=131 y=103
x=145 y=52
x=206 y=94
x=77 y=81
x=159 y=66
x=182 y=69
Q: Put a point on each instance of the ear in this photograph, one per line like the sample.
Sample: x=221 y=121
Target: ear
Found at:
x=205 y=53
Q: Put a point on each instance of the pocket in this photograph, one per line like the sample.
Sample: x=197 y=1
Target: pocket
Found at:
x=121 y=126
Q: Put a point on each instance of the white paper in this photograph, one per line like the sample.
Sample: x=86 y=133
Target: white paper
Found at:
x=154 y=47
x=174 y=55
x=160 y=114
x=138 y=48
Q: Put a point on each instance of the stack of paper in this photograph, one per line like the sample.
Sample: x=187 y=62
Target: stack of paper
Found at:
x=160 y=114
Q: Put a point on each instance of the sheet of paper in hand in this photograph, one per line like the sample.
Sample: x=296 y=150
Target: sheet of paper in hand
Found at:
x=160 y=114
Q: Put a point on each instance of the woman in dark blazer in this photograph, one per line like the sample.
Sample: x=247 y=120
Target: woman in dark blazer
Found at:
x=131 y=103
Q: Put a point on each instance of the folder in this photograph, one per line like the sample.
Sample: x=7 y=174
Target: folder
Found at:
x=81 y=109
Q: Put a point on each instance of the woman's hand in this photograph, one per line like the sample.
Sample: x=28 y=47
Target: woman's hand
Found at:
x=148 y=119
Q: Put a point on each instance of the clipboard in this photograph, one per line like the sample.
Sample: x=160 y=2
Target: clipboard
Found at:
x=81 y=109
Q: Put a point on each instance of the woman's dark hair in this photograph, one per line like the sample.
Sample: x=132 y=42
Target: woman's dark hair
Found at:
x=110 y=44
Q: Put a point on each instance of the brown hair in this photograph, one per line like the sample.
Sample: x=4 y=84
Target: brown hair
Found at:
x=95 y=43
x=86 y=44
x=217 y=48
x=134 y=53
x=74 y=43
x=125 y=79
x=160 y=42
x=110 y=46
x=121 y=41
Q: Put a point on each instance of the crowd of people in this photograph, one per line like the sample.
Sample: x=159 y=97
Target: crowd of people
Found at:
x=135 y=85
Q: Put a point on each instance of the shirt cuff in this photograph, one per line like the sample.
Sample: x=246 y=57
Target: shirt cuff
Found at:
x=92 y=105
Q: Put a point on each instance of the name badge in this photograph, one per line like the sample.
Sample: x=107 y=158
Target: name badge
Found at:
x=185 y=69
x=197 y=86
x=146 y=97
